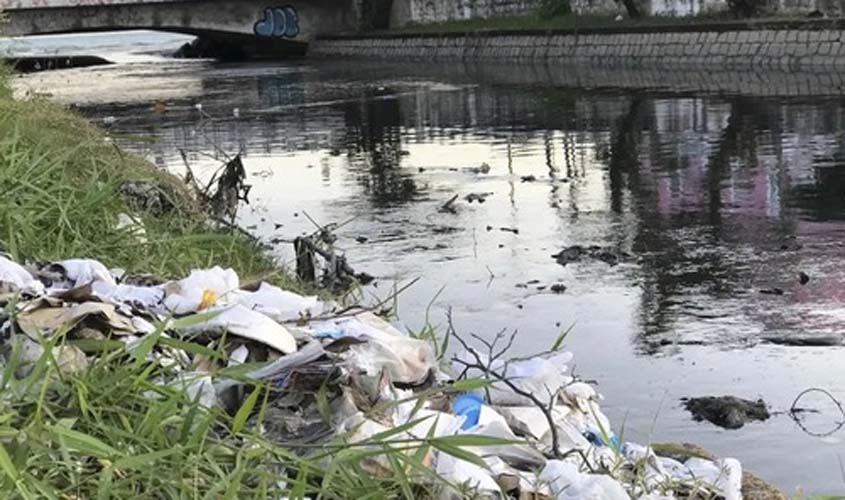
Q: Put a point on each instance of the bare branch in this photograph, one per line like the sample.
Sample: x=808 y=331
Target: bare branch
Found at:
x=477 y=363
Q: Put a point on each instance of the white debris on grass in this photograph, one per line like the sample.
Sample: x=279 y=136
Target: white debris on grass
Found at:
x=246 y=323
x=202 y=289
x=281 y=305
x=80 y=272
x=375 y=354
x=14 y=278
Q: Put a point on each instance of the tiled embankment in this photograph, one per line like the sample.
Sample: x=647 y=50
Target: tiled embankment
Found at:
x=785 y=45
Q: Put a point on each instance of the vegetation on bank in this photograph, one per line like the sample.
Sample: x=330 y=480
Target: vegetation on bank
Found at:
x=61 y=179
x=113 y=430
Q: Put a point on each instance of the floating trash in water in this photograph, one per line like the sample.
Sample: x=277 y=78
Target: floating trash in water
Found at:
x=532 y=428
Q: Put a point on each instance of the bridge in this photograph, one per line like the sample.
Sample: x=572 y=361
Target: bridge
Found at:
x=265 y=26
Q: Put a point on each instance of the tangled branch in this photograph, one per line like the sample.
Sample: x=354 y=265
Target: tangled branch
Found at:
x=795 y=412
x=494 y=354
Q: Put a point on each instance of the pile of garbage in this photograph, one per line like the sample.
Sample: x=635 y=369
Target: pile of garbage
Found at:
x=553 y=441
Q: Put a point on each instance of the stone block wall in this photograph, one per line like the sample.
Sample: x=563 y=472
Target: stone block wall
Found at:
x=435 y=11
x=784 y=47
x=406 y=12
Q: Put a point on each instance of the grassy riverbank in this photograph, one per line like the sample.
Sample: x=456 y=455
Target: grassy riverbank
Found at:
x=112 y=431
x=60 y=180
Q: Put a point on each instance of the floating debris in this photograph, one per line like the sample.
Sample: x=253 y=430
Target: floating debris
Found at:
x=479 y=197
x=532 y=429
x=147 y=196
x=484 y=168
x=449 y=206
x=805 y=340
x=728 y=412
x=576 y=253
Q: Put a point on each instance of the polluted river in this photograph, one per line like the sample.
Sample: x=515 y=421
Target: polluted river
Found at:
x=699 y=236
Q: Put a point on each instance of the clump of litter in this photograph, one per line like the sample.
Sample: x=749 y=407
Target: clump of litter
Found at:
x=552 y=438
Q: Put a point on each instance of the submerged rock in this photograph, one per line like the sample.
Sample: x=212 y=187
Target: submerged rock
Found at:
x=575 y=253
x=805 y=340
x=479 y=197
x=728 y=412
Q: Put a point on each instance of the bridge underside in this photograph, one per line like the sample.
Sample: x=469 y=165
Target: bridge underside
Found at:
x=253 y=26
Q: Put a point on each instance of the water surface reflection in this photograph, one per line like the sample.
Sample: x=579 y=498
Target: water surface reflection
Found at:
x=713 y=198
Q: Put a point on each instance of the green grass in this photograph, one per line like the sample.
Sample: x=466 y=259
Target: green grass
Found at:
x=114 y=431
x=60 y=179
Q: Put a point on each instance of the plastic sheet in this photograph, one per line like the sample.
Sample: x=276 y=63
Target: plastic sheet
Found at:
x=405 y=359
x=243 y=322
x=281 y=305
x=568 y=483
x=14 y=278
x=202 y=289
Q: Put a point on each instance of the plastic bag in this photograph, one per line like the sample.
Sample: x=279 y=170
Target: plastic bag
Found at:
x=465 y=473
x=541 y=377
x=532 y=420
x=144 y=296
x=203 y=288
x=17 y=279
x=243 y=322
x=491 y=423
x=568 y=483
x=281 y=305
x=405 y=359
x=724 y=474
x=81 y=272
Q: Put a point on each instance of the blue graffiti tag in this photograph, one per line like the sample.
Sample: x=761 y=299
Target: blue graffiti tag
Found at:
x=278 y=22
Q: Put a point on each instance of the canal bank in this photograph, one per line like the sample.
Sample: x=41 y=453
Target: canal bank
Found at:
x=388 y=144
x=787 y=45
x=152 y=403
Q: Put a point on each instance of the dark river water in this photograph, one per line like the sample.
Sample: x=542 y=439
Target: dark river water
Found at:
x=706 y=198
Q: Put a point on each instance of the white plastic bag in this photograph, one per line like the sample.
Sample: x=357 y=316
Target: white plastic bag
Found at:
x=533 y=420
x=542 y=377
x=281 y=305
x=405 y=359
x=203 y=288
x=568 y=483
x=17 y=279
x=84 y=271
x=243 y=322
x=490 y=423
x=145 y=296
x=462 y=472
x=725 y=475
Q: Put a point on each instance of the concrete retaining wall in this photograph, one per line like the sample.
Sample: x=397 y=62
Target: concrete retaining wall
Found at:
x=405 y=12
x=784 y=46
x=434 y=11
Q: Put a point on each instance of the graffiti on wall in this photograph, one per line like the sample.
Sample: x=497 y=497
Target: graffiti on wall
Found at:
x=278 y=22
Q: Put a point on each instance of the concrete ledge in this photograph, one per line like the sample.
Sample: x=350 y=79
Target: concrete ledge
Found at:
x=623 y=28
x=783 y=45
